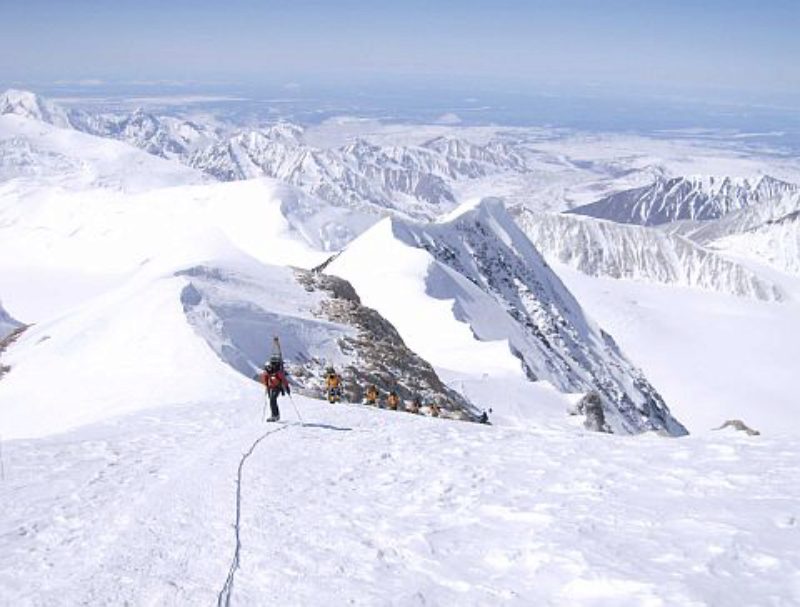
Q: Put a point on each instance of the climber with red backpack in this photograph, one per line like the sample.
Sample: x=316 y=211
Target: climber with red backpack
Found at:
x=275 y=382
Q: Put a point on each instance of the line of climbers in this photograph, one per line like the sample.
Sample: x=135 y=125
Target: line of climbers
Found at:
x=274 y=379
x=333 y=387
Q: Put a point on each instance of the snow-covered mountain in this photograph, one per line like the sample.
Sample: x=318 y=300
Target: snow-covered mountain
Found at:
x=670 y=199
x=411 y=180
x=151 y=295
x=477 y=276
x=165 y=136
x=604 y=248
x=32 y=106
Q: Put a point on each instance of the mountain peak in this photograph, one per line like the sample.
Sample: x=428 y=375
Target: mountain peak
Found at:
x=30 y=105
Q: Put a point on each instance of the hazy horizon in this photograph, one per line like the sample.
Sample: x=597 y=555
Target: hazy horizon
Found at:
x=738 y=52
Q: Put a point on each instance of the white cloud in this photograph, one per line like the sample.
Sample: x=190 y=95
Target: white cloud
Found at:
x=449 y=118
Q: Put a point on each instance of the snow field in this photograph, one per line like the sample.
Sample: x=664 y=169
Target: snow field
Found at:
x=363 y=506
x=713 y=357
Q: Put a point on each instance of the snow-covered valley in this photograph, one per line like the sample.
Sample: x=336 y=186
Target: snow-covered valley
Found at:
x=146 y=262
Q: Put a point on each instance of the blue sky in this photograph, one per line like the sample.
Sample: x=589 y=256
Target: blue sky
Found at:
x=741 y=46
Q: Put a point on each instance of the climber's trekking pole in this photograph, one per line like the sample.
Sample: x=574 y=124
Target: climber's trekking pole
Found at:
x=296 y=410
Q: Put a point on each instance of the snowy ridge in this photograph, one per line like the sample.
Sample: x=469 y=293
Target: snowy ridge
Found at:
x=238 y=308
x=670 y=199
x=502 y=292
x=223 y=311
x=604 y=248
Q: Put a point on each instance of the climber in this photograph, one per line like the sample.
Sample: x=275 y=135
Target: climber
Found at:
x=275 y=382
x=435 y=410
x=392 y=401
x=414 y=406
x=333 y=385
x=372 y=395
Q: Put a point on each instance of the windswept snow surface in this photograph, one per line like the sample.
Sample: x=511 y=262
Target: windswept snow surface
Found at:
x=361 y=506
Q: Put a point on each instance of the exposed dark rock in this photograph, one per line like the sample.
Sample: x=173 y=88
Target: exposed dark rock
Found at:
x=6 y=342
x=591 y=407
x=382 y=357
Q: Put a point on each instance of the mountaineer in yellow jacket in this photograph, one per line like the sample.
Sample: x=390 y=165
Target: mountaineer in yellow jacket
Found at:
x=333 y=385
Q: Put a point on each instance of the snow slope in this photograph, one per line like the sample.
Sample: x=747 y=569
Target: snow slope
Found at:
x=706 y=232
x=776 y=242
x=496 y=308
x=127 y=350
x=605 y=248
x=361 y=506
x=713 y=357
x=56 y=234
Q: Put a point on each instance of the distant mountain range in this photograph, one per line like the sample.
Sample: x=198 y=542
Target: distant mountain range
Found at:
x=604 y=248
x=670 y=199
x=414 y=181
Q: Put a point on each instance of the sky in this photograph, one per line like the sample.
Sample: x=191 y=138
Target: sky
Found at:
x=700 y=46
